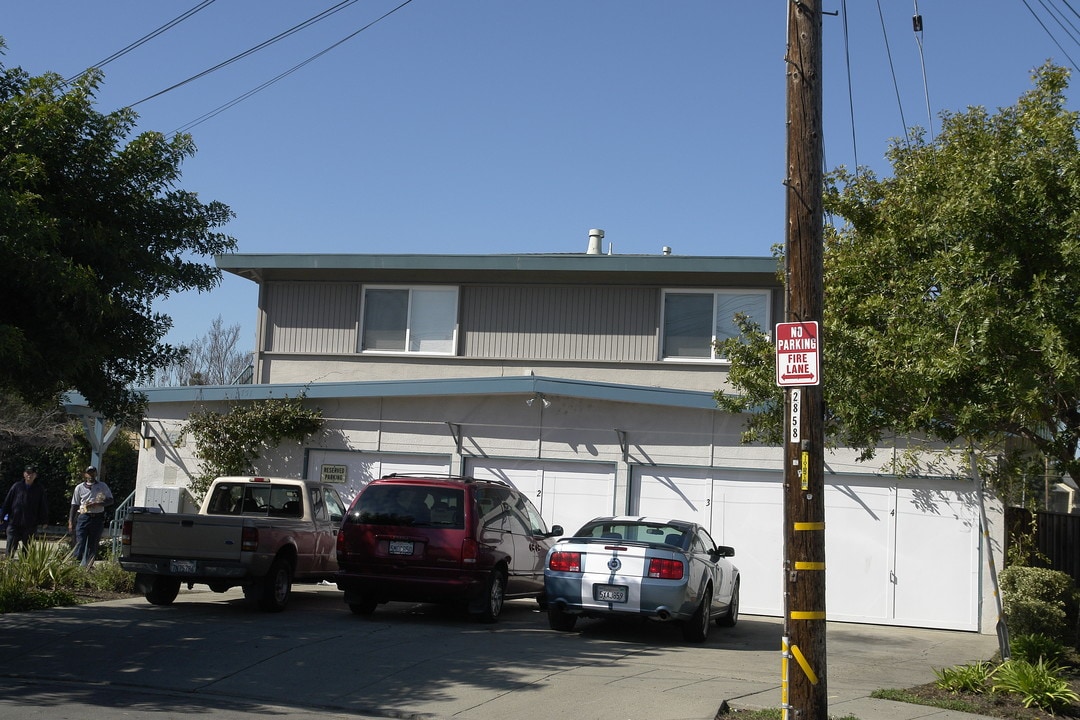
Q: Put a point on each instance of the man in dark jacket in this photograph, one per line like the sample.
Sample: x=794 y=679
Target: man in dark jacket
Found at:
x=25 y=509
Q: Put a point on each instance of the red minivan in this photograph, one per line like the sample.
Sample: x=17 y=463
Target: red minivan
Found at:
x=442 y=540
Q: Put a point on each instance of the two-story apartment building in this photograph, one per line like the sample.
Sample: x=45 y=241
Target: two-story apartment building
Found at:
x=586 y=380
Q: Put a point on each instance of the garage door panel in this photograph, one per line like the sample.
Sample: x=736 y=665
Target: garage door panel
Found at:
x=859 y=525
x=362 y=468
x=749 y=516
x=675 y=495
x=567 y=494
x=938 y=534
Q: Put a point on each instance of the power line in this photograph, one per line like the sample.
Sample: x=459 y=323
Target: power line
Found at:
x=235 y=101
x=144 y=39
x=266 y=43
x=1047 y=31
x=892 y=68
x=917 y=27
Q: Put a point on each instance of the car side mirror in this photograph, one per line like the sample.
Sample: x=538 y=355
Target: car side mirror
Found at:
x=724 y=551
x=556 y=531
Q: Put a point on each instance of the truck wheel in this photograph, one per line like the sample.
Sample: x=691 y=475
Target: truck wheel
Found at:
x=276 y=586
x=494 y=594
x=163 y=590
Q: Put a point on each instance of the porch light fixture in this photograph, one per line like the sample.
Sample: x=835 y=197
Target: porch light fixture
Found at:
x=540 y=396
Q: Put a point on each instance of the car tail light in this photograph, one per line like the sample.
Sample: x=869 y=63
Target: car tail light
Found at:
x=125 y=533
x=341 y=542
x=249 y=539
x=665 y=569
x=470 y=551
x=563 y=561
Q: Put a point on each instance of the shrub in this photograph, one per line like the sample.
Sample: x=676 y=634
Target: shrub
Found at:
x=1037 y=647
x=973 y=678
x=1035 y=617
x=107 y=575
x=1038 y=684
x=1037 y=601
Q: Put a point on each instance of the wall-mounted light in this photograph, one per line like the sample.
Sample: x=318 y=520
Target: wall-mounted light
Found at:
x=147 y=437
x=540 y=396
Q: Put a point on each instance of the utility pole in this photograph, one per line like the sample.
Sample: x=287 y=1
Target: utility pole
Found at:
x=804 y=662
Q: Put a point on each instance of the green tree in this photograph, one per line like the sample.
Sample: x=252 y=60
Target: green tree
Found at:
x=93 y=229
x=230 y=443
x=951 y=303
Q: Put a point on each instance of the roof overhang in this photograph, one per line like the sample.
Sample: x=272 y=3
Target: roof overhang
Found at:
x=514 y=385
x=653 y=270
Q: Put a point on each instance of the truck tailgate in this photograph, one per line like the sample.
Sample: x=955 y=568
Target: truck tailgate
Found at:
x=202 y=537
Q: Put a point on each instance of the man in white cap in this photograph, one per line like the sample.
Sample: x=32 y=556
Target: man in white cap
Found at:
x=87 y=516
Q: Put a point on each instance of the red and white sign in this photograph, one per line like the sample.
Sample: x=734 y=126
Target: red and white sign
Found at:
x=798 y=354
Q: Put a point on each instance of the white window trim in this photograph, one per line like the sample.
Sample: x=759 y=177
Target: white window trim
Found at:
x=409 y=321
x=713 y=359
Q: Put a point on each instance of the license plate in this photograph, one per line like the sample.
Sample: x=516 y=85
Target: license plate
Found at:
x=610 y=593
x=183 y=567
x=401 y=547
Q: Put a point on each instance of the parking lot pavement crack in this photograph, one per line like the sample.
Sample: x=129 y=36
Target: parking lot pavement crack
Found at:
x=265 y=659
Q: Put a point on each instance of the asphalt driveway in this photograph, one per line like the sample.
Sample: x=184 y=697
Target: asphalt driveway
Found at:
x=212 y=651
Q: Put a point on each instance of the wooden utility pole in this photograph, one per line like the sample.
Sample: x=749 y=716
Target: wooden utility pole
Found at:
x=805 y=696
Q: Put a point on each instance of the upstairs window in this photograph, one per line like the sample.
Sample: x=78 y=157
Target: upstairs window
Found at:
x=695 y=319
x=409 y=319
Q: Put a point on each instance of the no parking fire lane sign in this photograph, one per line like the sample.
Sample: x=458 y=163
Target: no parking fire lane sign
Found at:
x=798 y=354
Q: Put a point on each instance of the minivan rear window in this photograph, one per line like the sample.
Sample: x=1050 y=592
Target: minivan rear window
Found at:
x=410 y=505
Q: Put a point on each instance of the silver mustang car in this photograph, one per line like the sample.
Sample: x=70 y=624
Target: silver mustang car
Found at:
x=649 y=567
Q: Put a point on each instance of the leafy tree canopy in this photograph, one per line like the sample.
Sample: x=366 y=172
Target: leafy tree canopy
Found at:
x=952 y=308
x=230 y=443
x=93 y=229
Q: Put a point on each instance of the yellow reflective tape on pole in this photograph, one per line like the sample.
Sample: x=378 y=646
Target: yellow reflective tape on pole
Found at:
x=784 y=655
x=809 y=526
x=809 y=565
x=807 y=615
x=801 y=659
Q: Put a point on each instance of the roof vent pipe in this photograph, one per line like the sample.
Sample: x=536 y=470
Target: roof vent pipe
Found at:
x=595 y=238
x=667 y=250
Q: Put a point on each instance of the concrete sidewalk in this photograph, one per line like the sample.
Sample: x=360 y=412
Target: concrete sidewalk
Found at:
x=422 y=661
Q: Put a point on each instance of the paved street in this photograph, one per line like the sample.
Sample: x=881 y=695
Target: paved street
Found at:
x=210 y=652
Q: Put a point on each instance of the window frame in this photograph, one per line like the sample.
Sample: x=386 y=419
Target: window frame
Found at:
x=412 y=320
x=712 y=357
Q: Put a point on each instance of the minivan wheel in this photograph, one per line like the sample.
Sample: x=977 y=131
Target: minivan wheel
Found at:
x=364 y=606
x=494 y=594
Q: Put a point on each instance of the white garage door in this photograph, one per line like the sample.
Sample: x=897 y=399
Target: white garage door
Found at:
x=362 y=468
x=567 y=494
x=885 y=545
x=743 y=510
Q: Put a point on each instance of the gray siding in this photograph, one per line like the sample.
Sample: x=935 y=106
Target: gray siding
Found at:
x=560 y=323
x=311 y=317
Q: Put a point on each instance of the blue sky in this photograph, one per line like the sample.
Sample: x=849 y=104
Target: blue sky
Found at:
x=506 y=126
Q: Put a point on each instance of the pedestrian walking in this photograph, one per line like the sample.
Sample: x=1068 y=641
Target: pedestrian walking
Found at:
x=87 y=516
x=26 y=508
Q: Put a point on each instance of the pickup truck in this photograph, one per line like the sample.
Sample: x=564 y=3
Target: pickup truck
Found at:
x=260 y=533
